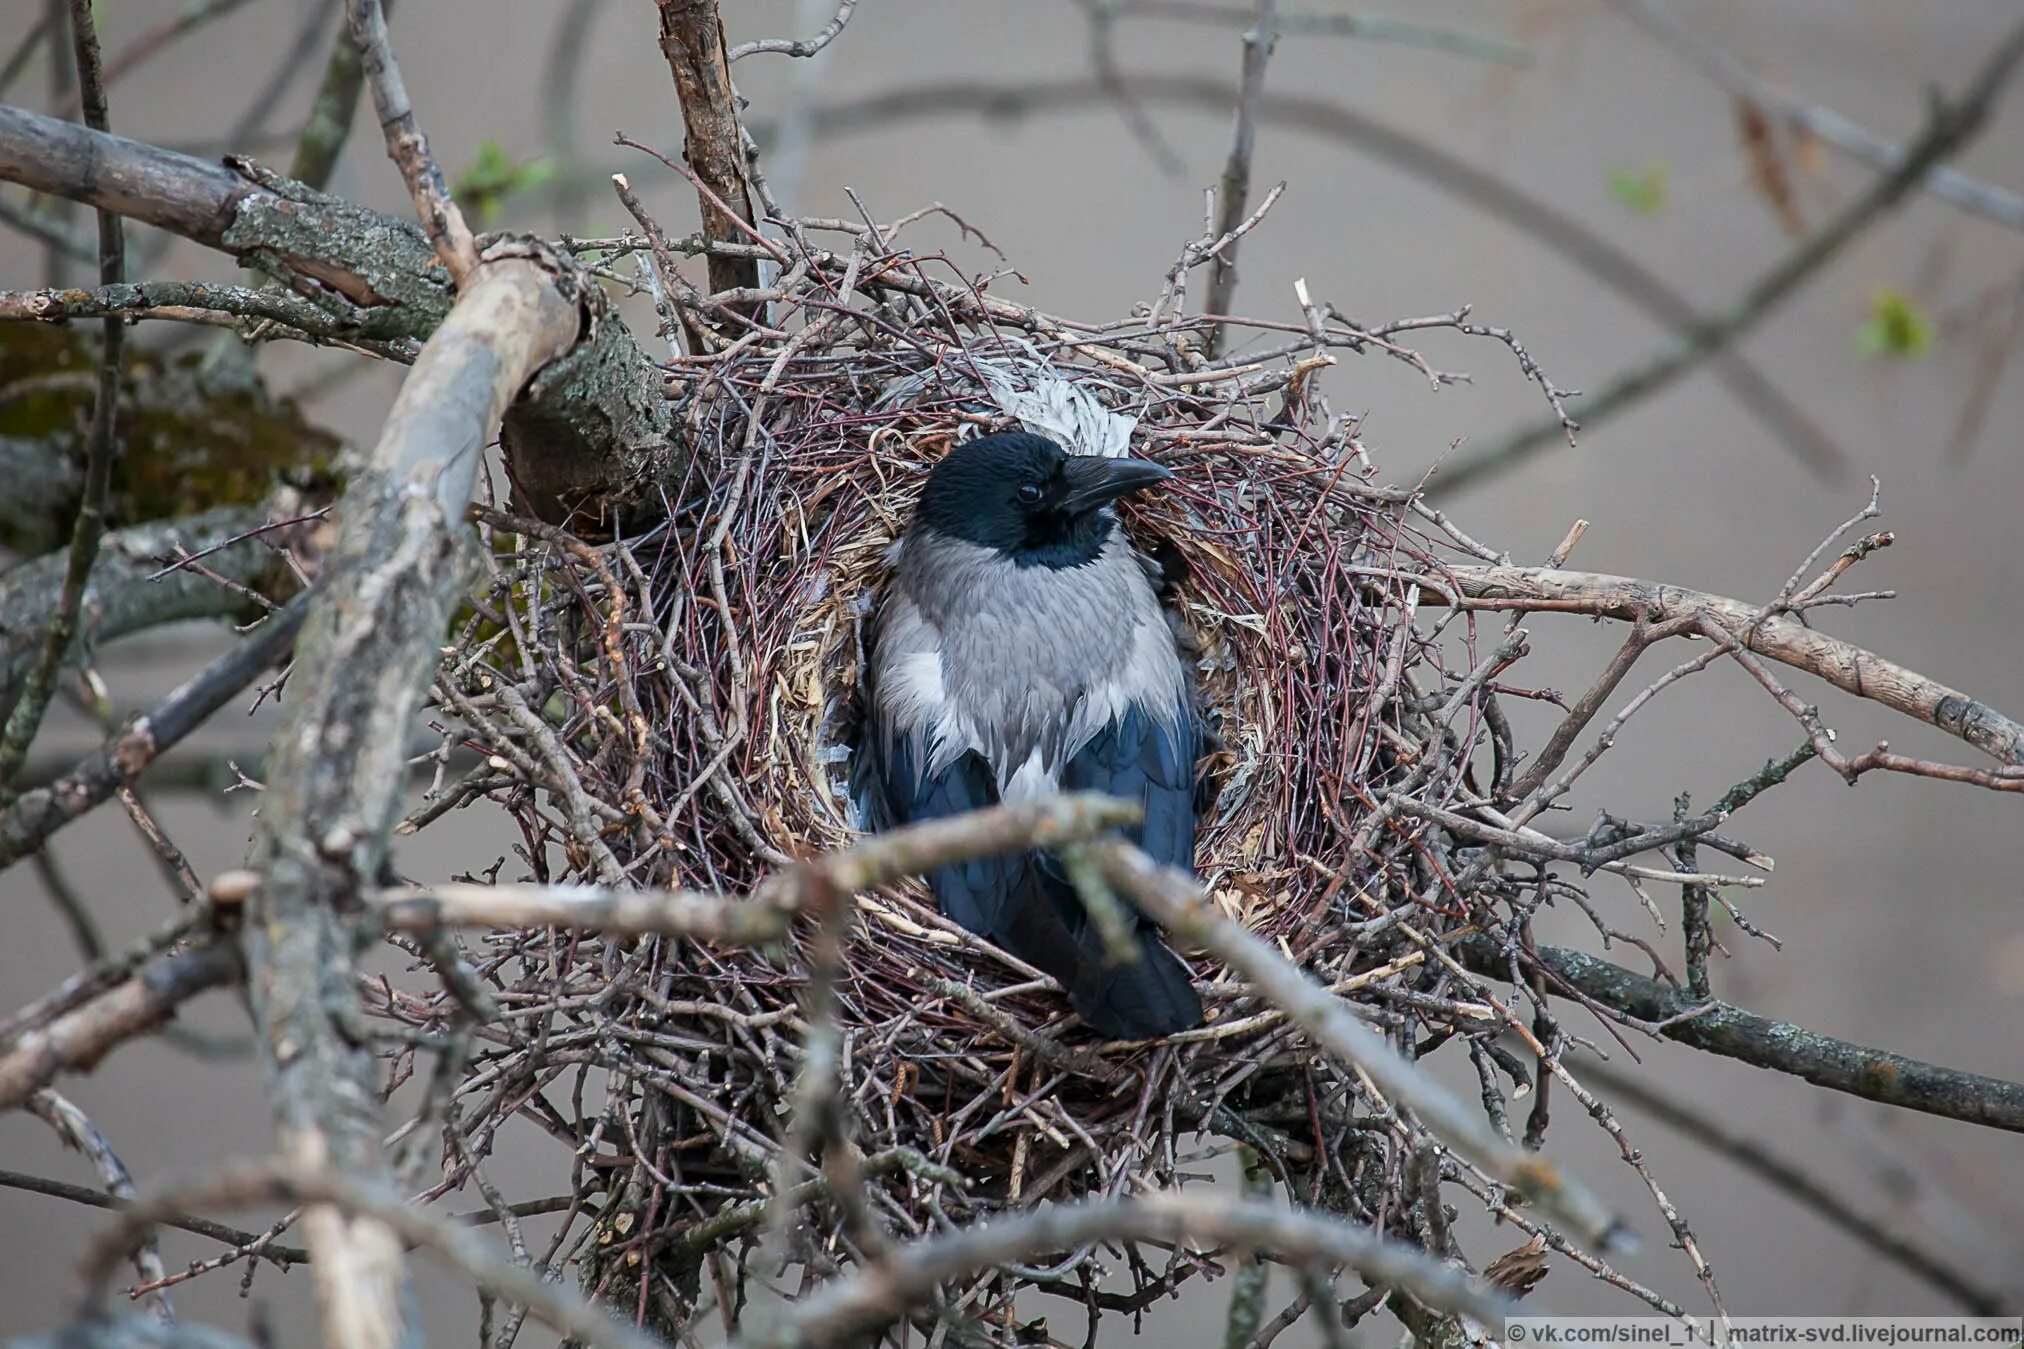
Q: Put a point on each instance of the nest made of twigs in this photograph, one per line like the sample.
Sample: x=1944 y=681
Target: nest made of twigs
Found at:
x=700 y=684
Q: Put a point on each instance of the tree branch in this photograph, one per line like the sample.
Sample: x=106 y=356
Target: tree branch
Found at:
x=1236 y=181
x=843 y=1308
x=24 y=718
x=765 y=914
x=1720 y=1028
x=1178 y=904
x=692 y=39
x=406 y=145
x=77 y=1040
x=591 y=435
x=1779 y=636
x=367 y=652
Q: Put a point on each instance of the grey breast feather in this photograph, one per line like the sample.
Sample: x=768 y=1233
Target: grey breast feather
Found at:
x=1022 y=665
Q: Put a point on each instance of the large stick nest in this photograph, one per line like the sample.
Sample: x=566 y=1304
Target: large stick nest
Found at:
x=685 y=699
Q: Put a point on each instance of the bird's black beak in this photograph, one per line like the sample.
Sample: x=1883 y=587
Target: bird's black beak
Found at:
x=1094 y=481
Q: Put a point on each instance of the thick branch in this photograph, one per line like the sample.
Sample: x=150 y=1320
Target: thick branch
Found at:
x=126 y=594
x=1780 y=636
x=1720 y=1028
x=692 y=38
x=78 y=1039
x=846 y=1308
x=32 y=817
x=592 y=432
x=366 y=656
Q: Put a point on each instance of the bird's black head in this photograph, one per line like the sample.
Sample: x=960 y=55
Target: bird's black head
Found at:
x=1025 y=497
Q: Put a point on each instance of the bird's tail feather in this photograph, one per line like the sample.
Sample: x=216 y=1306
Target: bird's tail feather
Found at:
x=1046 y=926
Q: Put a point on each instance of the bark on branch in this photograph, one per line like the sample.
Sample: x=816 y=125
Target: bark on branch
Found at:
x=592 y=433
x=1719 y=1028
x=127 y=593
x=368 y=650
x=1781 y=637
x=692 y=38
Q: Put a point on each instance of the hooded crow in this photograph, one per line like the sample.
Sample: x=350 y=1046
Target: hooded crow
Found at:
x=1021 y=649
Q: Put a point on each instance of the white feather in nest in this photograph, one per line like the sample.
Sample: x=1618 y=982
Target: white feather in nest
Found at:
x=1066 y=412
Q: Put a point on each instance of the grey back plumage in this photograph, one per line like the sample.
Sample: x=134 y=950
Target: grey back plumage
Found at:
x=1021 y=665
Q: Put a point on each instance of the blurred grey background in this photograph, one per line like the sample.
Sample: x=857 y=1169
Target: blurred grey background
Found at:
x=1899 y=901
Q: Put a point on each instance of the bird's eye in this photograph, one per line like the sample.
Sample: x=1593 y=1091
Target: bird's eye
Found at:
x=1030 y=494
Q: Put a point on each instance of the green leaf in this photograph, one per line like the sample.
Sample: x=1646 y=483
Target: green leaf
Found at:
x=1896 y=327
x=494 y=176
x=1641 y=190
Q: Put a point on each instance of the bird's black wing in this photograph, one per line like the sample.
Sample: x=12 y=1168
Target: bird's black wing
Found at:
x=1150 y=760
x=893 y=788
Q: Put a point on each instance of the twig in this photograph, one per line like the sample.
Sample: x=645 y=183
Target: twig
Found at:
x=802 y=47
x=336 y=768
x=1236 y=183
x=407 y=146
x=24 y=719
x=847 y=1307
x=1952 y=126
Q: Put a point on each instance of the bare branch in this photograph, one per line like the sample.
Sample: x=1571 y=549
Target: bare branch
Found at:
x=24 y=718
x=1236 y=183
x=78 y=1039
x=850 y=1306
x=336 y=767
x=406 y=145
x=1778 y=636
x=1180 y=906
x=31 y=818
x=802 y=47
x=1722 y=1028
x=764 y=915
